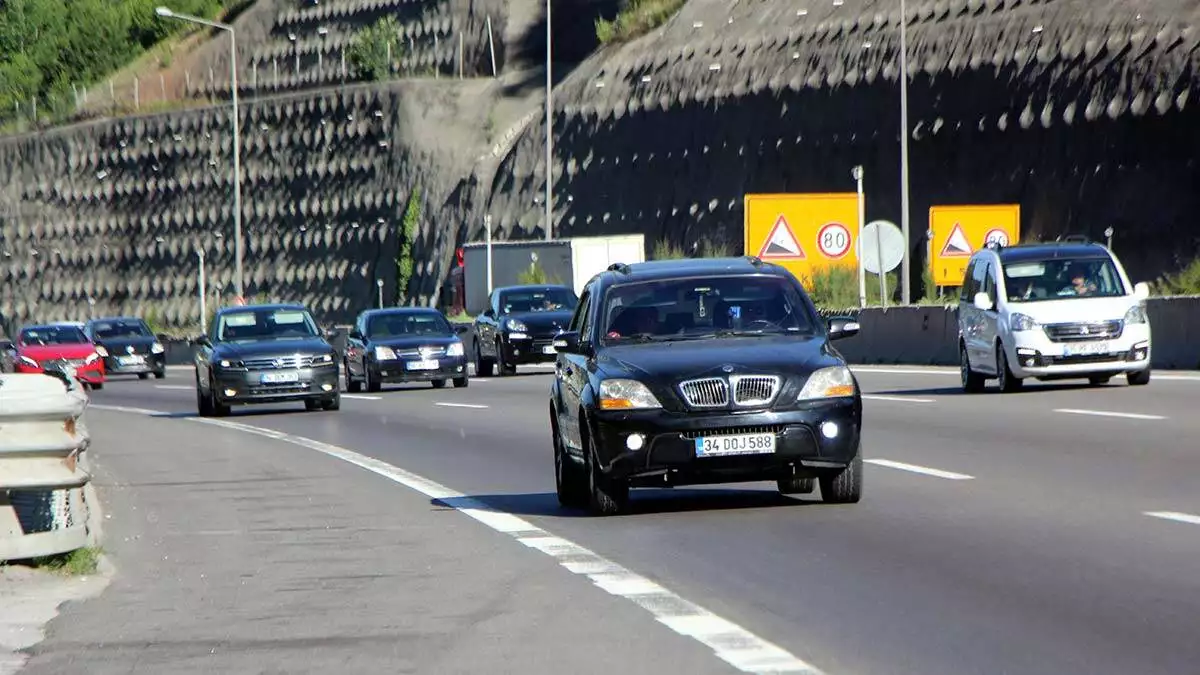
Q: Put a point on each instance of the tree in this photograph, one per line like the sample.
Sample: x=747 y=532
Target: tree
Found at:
x=370 y=51
x=410 y=227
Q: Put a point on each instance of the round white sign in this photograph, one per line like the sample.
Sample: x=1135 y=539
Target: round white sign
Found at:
x=996 y=236
x=833 y=240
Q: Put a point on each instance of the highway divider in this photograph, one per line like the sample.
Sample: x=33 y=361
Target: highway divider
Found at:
x=46 y=499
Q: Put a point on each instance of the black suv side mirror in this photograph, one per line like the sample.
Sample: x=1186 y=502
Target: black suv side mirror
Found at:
x=489 y=313
x=203 y=341
x=567 y=343
x=841 y=327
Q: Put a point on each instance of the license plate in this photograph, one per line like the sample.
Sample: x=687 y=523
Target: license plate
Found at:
x=422 y=365
x=279 y=378
x=741 y=444
x=1087 y=349
x=549 y=349
x=131 y=360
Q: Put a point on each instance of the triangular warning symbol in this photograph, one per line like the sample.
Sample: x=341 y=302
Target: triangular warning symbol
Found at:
x=781 y=244
x=957 y=245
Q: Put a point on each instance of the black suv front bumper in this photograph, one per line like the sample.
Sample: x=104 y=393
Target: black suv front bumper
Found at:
x=668 y=455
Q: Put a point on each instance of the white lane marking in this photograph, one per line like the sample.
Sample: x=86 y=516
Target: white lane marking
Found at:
x=473 y=406
x=173 y=386
x=362 y=397
x=1108 y=413
x=937 y=473
x=731 y=643
x=1175 y=516
x=898 y=399
x=901 y=371
x=1177 y=378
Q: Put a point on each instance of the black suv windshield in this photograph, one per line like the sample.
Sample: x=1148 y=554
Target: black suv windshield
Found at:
x=1059 y=278
x=538 y=300
x=53 y=335
x=701 y=307
x=403 y=324
x=110 y=330
x=265 y=324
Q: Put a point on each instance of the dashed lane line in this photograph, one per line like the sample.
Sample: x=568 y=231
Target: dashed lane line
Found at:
x=1175 y=516
x=730 y=642
x=923 y=470
x=473 y=406
x=1109 y=413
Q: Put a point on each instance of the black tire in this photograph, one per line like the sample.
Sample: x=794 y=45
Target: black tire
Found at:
x=438 y=384
x=502 y=364
x=333 y=404
x=143 y=376
x=312 y=404
x=352 y=385
x=203 y=401
x=569 y=481
x=1139 y=378
x=1008 y=382
x=796 y=486
x=460 y=382
x=606 y=496
x=972 y=382
x=97 y=386
x=844 y=487
x=483 y=367
x=160 y=374
x=1097 y=380
x=373 y=386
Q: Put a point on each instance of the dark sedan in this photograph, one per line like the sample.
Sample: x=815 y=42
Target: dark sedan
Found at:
x=695 y=372
x=519 y=326
x=406 y=344
x=265 y=354
x=131 y=346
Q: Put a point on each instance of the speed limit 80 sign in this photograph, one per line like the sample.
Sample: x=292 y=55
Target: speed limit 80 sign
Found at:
x=833 y=240
x=805 y=233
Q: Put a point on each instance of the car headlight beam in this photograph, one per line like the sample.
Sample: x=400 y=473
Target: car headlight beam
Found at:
x=619 y=394
x=384 y=353
x=833 y=382
x=516 y=326
x=102 y=351
x=455 y=349
x=157 y=348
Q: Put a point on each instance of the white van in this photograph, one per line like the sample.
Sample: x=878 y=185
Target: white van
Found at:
x=1051 y=311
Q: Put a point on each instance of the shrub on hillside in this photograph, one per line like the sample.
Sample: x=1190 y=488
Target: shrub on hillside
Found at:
x=369 y=53
x=636 y=19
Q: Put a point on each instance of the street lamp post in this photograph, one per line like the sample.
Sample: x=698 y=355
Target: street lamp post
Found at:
x=905 y=271
x=167 y=13
x=379 y=285
x=549 y=128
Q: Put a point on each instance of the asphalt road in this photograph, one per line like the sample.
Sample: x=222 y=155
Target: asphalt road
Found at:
x=998 y=533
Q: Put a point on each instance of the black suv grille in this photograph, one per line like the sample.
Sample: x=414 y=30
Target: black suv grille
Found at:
x=734 y=431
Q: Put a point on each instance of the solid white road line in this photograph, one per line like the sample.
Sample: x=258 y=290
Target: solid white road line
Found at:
x=173 y=386
x=731 y=643
x=898 y=399
x=937 y=473
x=362 y=397
x=1107 y=413
x=902 y=371
x=1175 y=516
x=1177 y=378
x=474 y=406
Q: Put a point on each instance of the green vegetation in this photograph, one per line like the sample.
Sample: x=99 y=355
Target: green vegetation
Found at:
x=1183 y=282
x=49 y=46
x=410 y=227
x=636 y=19
x=665 y=250
x=461 y=317
x=536 y=275
x=837 y=287
x=76 y=563
x=374 y=49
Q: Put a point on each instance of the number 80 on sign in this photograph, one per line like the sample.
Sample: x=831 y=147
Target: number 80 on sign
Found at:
x=833 y=240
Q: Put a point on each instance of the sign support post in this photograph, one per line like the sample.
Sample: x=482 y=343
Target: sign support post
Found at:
x=857 y=173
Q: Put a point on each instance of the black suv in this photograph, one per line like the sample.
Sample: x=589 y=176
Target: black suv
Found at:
x=265 y=354
x=519 y=326
x=130 y=346
x=702 y=371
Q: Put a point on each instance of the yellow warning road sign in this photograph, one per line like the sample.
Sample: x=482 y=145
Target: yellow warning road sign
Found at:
x=958 y=231
x=802 y=232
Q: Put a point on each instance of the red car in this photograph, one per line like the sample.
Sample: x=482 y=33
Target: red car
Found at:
x=60 y=347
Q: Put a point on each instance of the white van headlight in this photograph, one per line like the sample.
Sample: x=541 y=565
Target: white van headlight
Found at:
x=1022 y=322
x=1136 y=314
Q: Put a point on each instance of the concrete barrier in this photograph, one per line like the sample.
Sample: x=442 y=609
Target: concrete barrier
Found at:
x=45 y=472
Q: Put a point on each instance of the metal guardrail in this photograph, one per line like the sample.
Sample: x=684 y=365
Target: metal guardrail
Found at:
x=45 y=471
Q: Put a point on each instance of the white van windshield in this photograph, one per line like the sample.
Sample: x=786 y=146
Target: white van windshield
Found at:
x=1059 y=278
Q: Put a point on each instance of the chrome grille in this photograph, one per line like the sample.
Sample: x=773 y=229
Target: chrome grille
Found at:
x=734 y=431
x=291 y=362
x=709 y=392
x=1080 y=332
x=750 y=390
x=421 y=353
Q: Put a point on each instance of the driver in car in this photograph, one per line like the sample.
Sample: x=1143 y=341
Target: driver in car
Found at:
x=634 y=321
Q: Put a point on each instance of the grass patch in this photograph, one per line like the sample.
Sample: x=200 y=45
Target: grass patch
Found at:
x=461 y=317
x=705 y=248
x=837 y=287
x=638 y=18
x=77 y=563
x=1183 y=282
